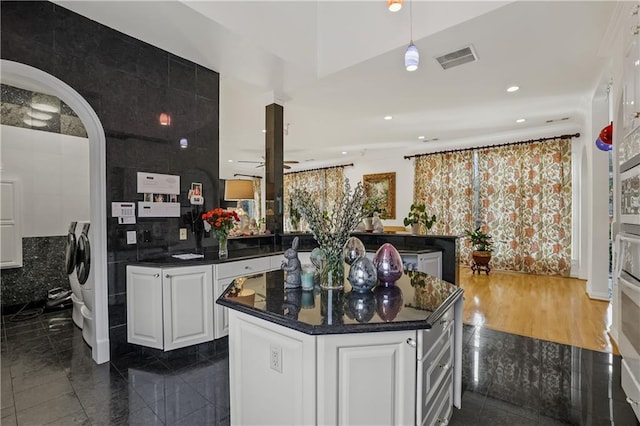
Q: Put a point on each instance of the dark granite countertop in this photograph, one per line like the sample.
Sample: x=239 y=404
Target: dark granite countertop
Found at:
x=210 y=257
x=417 y=301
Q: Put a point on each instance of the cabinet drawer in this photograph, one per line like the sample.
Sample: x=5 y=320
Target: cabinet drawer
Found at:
x=243 y=267
x=433 y=368
x=439 y=409
x=430 y=336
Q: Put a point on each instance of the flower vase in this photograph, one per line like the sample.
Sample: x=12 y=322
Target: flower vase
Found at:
x=222 y=246
x=332 y=273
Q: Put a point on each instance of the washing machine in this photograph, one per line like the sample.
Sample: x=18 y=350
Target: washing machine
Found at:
x=86 y=279
x=70 y=266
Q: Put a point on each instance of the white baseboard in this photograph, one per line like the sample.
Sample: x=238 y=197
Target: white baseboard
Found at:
x=101 y=352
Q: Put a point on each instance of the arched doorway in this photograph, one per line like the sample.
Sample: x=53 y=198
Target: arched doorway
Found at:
x=25 y=76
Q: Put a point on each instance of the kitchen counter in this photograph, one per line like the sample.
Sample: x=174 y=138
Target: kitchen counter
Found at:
x=417 y=301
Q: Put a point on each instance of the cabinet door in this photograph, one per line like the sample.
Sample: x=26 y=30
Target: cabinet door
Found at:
x=221 y=314
x=367 y=378
x=188 y=306
x=431 y=263
x=144 y=306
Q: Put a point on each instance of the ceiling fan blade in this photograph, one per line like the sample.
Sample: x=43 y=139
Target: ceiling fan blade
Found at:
x=286 y=167
x=292 y=162
x=248 y=161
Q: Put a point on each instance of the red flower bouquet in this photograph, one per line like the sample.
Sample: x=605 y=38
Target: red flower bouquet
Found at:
x=221 y=220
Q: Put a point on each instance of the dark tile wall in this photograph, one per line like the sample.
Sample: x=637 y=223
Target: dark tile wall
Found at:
x=128 y=83
x=42 y=270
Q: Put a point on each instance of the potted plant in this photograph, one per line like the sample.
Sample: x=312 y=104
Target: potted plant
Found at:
x=482 y=248
x=370 y=207
x=418 y=216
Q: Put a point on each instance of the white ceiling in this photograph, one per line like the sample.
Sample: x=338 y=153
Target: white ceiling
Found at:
x=337 y=67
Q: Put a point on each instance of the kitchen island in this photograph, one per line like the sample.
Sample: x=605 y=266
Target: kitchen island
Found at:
x=388 y=356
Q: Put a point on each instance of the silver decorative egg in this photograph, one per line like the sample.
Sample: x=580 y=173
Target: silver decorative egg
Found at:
x=362 y=275
x=353 y=249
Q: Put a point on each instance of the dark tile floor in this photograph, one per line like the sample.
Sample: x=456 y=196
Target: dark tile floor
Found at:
x=48 y=377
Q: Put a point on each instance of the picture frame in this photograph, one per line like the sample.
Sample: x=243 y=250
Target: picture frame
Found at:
x=382 y=185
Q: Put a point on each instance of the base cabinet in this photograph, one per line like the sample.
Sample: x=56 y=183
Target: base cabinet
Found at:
x=225 y=273
x=169 y=308
x=285 y=377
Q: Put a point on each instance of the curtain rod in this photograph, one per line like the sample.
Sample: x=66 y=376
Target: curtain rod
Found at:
x=320 y=168
x=575 y=135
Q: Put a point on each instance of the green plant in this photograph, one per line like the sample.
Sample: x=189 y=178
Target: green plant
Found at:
x=418 y=214
x=373 y=204
x=480 y=240
x=294 y=214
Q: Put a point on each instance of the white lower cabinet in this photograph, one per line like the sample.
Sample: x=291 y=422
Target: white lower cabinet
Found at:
x=169 y=308
x=430 y=263
x=285 y=377
x=225 y=273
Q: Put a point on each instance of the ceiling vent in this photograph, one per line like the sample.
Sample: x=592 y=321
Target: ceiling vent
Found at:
x=459 y=57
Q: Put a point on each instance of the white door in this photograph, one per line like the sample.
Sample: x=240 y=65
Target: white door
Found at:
x=144 y=306
x=188 y=306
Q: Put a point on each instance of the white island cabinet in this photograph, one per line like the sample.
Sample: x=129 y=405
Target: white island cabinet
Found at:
x=169 y=308
x=291 y=366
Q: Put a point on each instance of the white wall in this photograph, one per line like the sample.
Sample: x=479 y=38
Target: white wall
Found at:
x=54 y=171
x=382 y=162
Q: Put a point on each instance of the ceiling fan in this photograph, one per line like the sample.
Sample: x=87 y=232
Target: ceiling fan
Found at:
x=261 y=163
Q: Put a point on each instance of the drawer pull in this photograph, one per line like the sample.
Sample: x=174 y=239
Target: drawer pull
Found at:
x=156 y=275
x=632 y=402
x=411 y=342
x=247 y=267
x=444 y=322
x=636 y=31
x=167 y=276
x=443 y=421
x=444 y=366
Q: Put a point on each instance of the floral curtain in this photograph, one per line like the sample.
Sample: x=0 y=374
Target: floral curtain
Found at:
x=257 y=198
x=525 y=202
x=444 y=182
x=327 y=183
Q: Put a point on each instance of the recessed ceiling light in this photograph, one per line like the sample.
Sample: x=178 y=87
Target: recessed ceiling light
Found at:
x=421 y=137
x=264 y=131
x=184 y=143
x=513 y=89
x=34 y=123
x=39 y=115
x=45 y=107
x=388 y=117
x=520 y=120
x=344 y=152
x=229 y=161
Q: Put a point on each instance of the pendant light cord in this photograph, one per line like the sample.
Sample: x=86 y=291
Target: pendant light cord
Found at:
x=411 y=19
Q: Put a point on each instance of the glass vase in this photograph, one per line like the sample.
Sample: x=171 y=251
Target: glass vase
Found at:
x=332 y=273
x=222 y=246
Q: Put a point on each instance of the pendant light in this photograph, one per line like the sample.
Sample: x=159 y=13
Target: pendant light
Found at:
x=394 y=5
x=411 y=56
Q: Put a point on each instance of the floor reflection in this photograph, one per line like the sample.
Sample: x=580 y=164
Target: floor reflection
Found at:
x=510 y=379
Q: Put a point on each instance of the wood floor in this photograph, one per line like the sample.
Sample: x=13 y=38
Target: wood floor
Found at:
x=544 y=307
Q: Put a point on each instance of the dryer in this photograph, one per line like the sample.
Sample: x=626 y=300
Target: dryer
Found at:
x=70 y=267
x=86 y=279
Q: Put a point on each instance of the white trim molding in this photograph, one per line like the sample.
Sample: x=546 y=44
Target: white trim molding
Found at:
x=25 y=76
